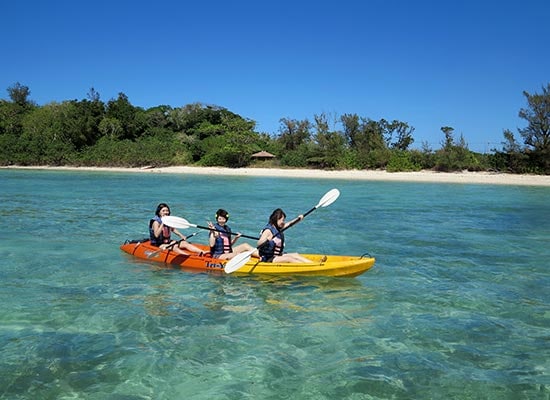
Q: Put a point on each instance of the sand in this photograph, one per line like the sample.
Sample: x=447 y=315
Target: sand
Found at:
x=490 y=178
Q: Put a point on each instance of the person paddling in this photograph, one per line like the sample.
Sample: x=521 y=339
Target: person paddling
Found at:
x=272 y=240
x=222 y=245
x=160 y=234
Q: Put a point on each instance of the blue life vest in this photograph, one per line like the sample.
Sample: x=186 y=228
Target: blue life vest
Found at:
x=273 y=247
x=164 y=234
x=223 y=241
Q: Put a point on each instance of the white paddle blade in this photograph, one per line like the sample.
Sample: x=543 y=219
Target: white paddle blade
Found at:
x=238 y=261
x=176 y=222
x=329 y=198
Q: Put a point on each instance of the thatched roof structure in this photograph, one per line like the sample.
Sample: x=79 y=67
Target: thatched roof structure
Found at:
x=262 y=155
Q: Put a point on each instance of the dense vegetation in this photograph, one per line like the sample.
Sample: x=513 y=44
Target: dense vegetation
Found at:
x=90 y=132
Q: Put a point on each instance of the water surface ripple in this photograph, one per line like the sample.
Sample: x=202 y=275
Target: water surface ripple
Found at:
x=455 y=307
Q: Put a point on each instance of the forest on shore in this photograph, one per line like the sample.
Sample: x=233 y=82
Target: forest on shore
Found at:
x=91 y=132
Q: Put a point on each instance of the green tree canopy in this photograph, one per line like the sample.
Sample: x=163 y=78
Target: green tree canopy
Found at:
x=19 y=94
x=536 y=135
x=118 y=133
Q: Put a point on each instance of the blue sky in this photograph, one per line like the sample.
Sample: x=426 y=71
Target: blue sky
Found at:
x=463 y=64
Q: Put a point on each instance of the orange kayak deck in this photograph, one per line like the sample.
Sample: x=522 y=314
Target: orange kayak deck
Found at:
x=334 y=265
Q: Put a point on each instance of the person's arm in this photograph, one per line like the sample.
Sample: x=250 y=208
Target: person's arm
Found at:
x=294 y=221
x=212 y=235
x=157 y=228
x=182 y=236
x=264 y=237
x=237 y=236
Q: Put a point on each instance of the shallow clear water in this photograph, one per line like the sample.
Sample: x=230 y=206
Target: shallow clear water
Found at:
x=455 y=307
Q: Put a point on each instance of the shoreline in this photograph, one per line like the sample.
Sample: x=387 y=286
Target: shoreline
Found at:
x=489 y=178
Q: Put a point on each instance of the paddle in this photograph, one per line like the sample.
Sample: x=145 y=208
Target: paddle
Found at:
x=155 y=253
x=182 y=223
x=241 y=259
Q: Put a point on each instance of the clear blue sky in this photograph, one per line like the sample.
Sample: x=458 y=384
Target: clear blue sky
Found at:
x=463 y=64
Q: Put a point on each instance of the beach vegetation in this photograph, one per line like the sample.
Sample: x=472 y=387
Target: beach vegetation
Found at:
x=454 y=154
x=511 y=158
x=91 y=132
x=401 y=160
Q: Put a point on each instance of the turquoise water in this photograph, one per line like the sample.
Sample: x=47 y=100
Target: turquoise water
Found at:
x=456 y=306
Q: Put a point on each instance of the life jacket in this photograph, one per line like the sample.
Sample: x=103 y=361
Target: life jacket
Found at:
x=273 y=247
x=223 y=241
x=164 y=234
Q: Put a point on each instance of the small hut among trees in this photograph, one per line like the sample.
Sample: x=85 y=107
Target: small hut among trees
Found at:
x=262 y=156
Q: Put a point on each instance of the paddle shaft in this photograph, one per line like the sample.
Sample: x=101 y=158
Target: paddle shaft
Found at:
x=329 y=198
x=178 y=222
x=217 y=230
x=298 y=220
x=182 y=240
x=170 y=246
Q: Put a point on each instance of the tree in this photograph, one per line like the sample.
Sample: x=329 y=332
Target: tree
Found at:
x=13 y=112
x=537 y=133
x=294 y=133
x=11 y=116
x=122 y=110
x=111 y=128
x=93 y=95
x=363 y=134
x=157 y=117
x=49 y=134
x=512 y=158
x=510 y=145
x=350 y=123
x=19 y=94
x=366 y=142
x=330 y=144
x=449 y=140
x=89 y=113
x=403 y=135
x=231 y=150
x=455 y=156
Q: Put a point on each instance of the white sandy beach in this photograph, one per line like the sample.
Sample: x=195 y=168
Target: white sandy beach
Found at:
x=491 y=178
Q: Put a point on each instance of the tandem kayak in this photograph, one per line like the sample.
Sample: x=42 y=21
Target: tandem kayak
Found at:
x=329 y=265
